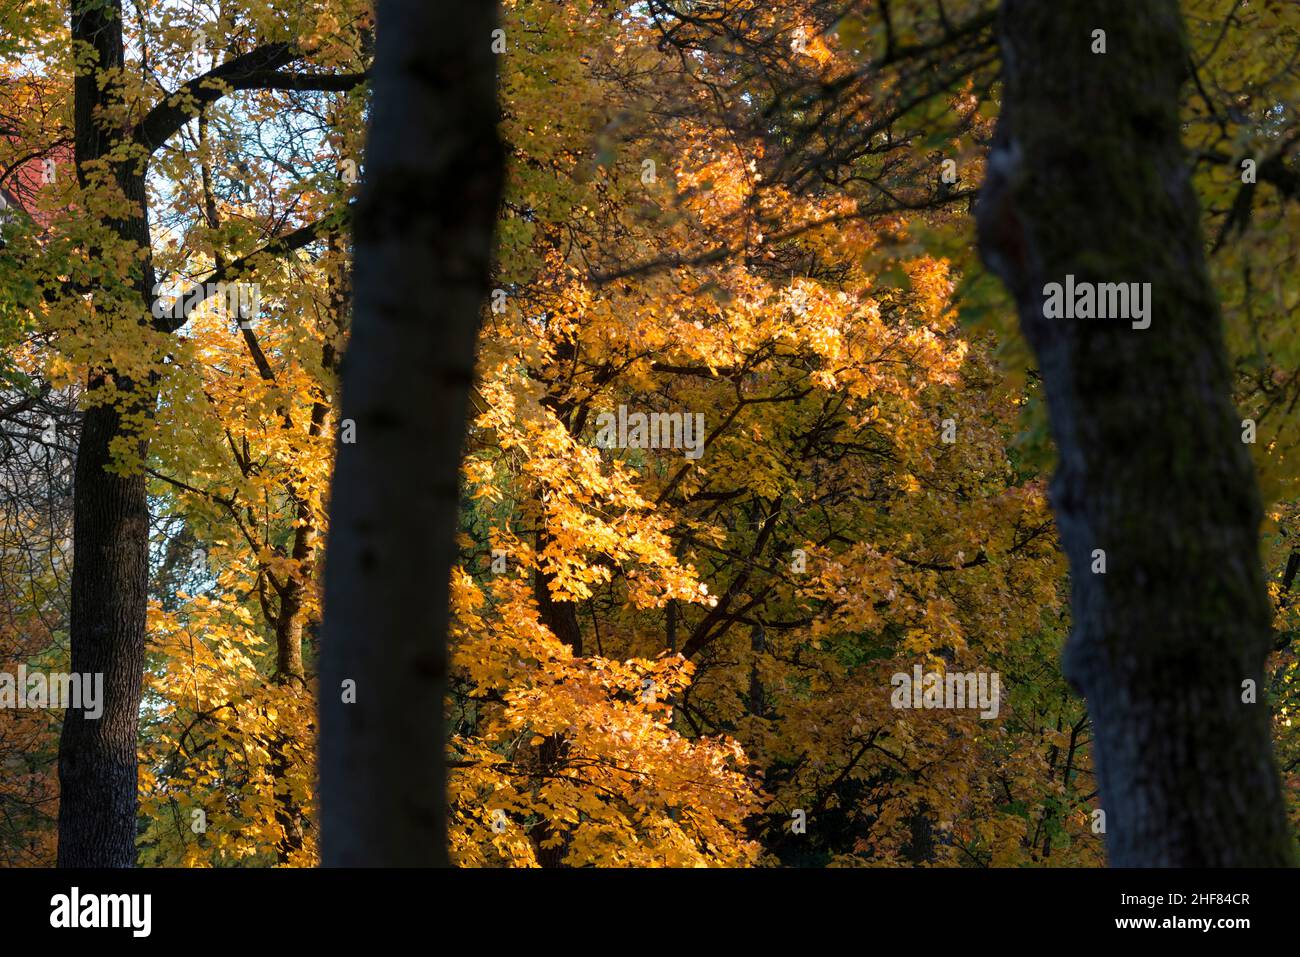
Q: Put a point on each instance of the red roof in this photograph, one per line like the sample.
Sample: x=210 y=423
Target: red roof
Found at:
x=21 y=185
x=28 y=168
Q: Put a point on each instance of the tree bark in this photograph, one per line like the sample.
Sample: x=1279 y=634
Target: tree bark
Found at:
x=423 y=241
x=97 y=758
x=561 y=618
x=1088 y=177
x=109 y=595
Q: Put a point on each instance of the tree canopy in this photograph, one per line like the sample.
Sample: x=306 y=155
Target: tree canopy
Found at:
x=751 y=432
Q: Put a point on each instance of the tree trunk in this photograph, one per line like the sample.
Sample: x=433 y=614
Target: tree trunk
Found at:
x=561 y=618
x=423 y=244
x=97 y=759
x=1087 y=177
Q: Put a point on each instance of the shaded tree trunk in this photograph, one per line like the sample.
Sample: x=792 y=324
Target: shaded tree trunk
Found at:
x=97 y=758
x=561 y=618
x=1088 y=177
x=423 y=244
x=289 y=670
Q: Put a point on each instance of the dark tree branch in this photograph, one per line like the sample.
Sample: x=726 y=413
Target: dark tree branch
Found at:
x=259 y=69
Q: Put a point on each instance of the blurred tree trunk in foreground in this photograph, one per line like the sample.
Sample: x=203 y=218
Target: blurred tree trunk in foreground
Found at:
x=1087 y=177
x=433 y=175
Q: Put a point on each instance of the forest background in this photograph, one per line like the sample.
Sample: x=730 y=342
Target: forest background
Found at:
x=761 y=216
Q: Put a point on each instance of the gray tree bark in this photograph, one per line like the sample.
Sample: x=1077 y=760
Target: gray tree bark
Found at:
x=1088 y=177
x=110 y=574
x=424 y=226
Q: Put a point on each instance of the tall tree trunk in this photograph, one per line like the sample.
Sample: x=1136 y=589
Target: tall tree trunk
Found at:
x=289 y=670
x=423 y=232
x=97 y=758
x=1088 y=177
x=561 y=618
